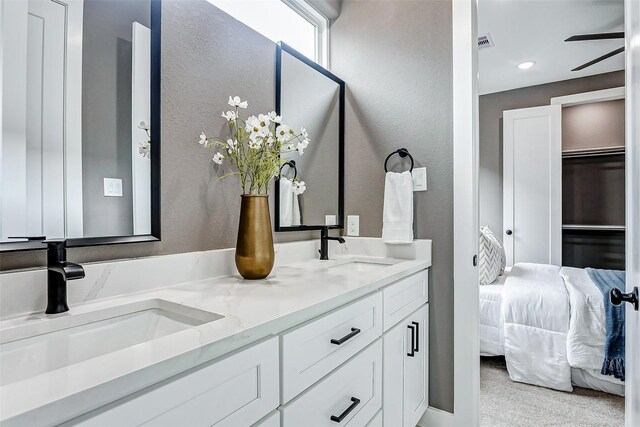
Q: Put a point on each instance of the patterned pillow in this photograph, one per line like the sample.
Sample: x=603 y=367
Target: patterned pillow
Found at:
x=492 y=257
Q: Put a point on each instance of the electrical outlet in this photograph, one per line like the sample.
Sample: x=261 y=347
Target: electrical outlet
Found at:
x=353 y=225
x=419 y=176
x=112 y=187
x=330 y=220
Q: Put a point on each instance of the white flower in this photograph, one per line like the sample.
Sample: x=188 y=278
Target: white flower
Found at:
x=142 y=125
x=217 y=158
x=270 y=141
x=203 y=139
x=304 y=133
x=144 y=148
x=258 y=128
x=265 y=119
x=236 y=102
x=229 y=115
x=231 y=145
x=274 y=117
x=255 y=143
x=290 y=147
x=298 y=187
x=283 y=132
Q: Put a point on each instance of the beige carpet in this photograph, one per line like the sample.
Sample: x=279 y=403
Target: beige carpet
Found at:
x=504 y=403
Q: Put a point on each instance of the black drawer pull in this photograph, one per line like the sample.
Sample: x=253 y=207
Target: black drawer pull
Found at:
x=355 y=402
x=417 y=340
x=412 y=328
x=353 y=333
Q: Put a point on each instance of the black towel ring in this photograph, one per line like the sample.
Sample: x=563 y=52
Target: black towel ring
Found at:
x=291 y=164
x=402 y=152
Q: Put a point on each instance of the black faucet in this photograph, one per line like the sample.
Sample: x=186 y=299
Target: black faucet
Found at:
x=324 y=242
x=58 y=272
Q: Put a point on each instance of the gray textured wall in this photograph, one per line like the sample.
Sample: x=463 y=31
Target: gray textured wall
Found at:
x=490 y=118
x=595 y=125
x=396 y=59
x=206 y=56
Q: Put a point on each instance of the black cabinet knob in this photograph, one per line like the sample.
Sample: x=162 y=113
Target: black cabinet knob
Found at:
x=509 y=232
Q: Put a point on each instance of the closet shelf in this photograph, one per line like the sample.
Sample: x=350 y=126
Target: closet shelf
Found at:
x=593 y=152
x=581 y=227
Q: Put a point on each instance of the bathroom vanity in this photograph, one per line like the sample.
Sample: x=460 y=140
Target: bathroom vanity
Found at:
x=318 y=343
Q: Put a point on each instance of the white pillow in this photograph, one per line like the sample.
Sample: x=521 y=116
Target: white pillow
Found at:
x=492 y=257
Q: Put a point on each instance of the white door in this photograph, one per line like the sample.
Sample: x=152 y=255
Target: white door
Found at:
x=532 y=185
x=416 y=368
x=632 y=350
x=405 y=373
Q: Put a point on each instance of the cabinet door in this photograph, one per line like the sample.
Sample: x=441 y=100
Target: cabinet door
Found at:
x=405 y=373
x=416 y=367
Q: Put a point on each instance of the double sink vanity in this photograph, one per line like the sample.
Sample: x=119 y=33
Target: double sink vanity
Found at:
x=318 y=343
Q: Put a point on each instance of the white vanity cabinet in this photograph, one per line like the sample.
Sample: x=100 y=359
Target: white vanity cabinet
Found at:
x=406 y=367
x=238 y=390
x=364 y=364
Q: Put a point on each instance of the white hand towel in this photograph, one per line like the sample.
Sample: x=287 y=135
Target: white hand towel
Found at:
x=397 y=218
x=295 y=211
x=286 y=202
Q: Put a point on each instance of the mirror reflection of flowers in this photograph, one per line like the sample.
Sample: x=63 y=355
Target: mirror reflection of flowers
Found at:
x=144 y=148
x=256 y=147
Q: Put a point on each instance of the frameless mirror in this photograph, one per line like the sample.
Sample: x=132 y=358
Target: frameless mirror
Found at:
x=309 y=96
x=80 y=125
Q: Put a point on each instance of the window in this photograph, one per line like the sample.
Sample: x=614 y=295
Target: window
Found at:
x=292 y=21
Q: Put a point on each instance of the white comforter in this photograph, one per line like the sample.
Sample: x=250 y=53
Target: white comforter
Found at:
x=535 y=307
x=553 y=321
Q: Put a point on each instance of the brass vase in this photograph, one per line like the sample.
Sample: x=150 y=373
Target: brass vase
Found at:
x=254 y=249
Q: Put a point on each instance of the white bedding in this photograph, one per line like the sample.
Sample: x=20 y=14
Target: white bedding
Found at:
x=491 y=321
x=549 y=323
x=535 y=308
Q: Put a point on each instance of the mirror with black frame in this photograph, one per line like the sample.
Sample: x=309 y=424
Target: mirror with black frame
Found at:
x=308 y=95
x=81 y=133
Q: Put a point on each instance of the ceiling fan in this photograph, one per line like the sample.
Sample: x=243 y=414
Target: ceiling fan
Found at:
x=600 y=36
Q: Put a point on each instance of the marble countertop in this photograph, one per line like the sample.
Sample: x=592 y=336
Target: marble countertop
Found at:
x=252 y=310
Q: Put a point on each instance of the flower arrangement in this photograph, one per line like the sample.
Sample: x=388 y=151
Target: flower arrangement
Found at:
x=255 y=147
x=144 y=148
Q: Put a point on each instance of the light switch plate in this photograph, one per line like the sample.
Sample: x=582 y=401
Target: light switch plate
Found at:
x=330 y=220
x=112 y=187
x=353 y=225
x=419 y=176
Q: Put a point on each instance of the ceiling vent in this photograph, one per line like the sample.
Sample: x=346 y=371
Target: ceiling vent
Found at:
x=485 y=41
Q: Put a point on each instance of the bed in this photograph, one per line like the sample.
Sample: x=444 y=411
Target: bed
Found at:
x=548 y=323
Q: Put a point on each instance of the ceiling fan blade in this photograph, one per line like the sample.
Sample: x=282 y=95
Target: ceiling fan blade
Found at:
x=601 y=58
x=601 y=36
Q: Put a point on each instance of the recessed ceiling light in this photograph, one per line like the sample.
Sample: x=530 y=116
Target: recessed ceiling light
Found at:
x=526 y=65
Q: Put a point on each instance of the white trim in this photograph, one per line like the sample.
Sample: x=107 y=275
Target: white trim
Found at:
x=320 y=22
x=465 y=202
x=74 y=222
x=435 y=417
x=589 y=97
x=632 y=163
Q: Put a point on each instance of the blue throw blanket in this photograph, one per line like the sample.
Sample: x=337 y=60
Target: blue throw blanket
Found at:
x=606 y=280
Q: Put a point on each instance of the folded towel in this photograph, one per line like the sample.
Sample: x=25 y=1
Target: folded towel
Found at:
x=286 y=202
x=397 y=217
x=605 y=280
x=295 y=210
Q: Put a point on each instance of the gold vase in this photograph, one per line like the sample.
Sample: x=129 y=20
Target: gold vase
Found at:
x=254 y=249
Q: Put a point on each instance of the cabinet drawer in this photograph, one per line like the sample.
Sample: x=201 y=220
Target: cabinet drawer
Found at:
x=376 y=421
x=352 y=393
x=312 y=351
x=272 y=420
x=236 y=391
x=404 y=297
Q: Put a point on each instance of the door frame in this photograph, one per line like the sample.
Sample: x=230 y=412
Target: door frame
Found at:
x=465 y=148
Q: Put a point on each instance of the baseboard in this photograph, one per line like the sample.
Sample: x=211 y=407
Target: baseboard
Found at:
x=435 y=417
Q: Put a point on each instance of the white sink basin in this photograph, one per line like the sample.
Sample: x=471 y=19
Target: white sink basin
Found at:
x=53 y=343
x=363 y=266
